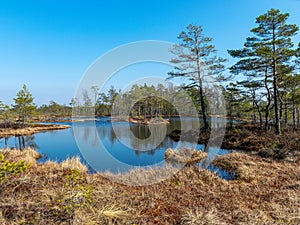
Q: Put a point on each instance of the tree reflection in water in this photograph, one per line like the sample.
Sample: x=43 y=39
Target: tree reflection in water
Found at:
x=20 y=142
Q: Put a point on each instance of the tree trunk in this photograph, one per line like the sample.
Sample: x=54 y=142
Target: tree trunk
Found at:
x=260 y=114
x=298 y=117
x=285 y=114
x=254 y=112
x=19 y=119
x=294 y=115
x=23 y=121
x=139 y=111
x=260 y=120
x=203 y=108
x=280 y=108
x=267 y=113
x=276 y=109
x=202 y=101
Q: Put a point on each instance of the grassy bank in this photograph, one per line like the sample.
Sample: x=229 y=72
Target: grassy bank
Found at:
x=250 y=138
x=30 y=129
x=265 y=192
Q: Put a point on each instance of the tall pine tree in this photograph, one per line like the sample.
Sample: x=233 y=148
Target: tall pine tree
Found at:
x=196 y=58
x=273 y=47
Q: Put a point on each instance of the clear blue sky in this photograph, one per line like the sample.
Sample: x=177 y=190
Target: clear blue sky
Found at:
x=49 y=44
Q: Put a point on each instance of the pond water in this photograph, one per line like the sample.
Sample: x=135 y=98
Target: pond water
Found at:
x=89 y=139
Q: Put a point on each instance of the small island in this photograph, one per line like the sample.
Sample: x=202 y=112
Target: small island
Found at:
x=152 y=121
x=30 y=129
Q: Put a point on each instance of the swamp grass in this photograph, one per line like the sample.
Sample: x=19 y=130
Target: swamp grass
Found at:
x=266 y=191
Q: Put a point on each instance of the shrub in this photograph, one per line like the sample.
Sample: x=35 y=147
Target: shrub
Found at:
x=76 y=194
x=7 y=168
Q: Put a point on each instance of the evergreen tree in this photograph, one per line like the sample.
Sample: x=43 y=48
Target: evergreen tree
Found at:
x=196 y=58
x=24 y=105
x=271 y=48
x=274 y=36
x=4 y=113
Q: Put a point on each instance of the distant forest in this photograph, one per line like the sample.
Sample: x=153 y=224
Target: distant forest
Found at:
x=262 y=86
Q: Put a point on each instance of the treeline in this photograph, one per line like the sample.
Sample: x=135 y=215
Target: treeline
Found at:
x=140 y=102
x=267 y=83
x=145 y=101
x=263 y=85
x=24 y=110
x=54 y=109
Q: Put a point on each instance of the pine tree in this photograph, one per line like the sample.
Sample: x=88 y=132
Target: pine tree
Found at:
x=196 y=58
x=274 y=36
x=4 y=113
x=271 y=49
x=24 y=105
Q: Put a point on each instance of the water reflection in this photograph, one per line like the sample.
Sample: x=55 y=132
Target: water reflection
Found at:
x=19 y=142
x=92 y=136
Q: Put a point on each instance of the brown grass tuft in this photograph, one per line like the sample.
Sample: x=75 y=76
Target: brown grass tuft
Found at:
x=29 y=155
x=197 y=217
x=142 y=176
x=74 y=163
x=265 y=192
x=184 y=155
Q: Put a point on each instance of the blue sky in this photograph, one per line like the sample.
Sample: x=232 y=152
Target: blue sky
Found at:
x=49 y=44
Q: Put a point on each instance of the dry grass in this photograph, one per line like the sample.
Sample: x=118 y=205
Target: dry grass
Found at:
x=184 y=155
x=265 y=192
x=29 y=155
x=249 y=138
x=143 y=176
x=74 y=163
x=32 y=129
x=108 y=214
x=273 y=188
x=197 y=217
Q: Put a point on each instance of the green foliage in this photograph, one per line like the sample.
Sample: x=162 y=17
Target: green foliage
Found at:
x=236 y=130
x=4 y=113
x=180 y=184
x=148 y=101
x=76 y=194
x=236 y=103
x=274 y=145
x=196 y=60
x=55 y=109
x=265 y=60
x=7 y=168
x=24 y=105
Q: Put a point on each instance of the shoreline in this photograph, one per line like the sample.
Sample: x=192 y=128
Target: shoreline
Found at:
x=264 y=190
x=32 y=129
x=248 y=138
x=126 y=119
